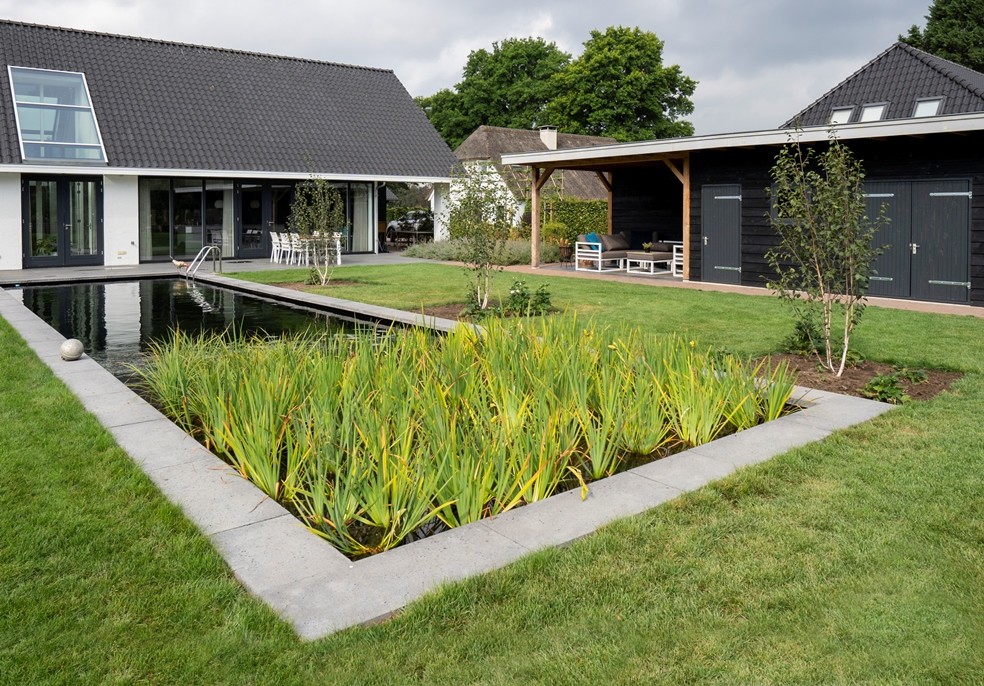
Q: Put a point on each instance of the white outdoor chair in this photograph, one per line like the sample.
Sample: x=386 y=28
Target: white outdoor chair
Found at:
x=298 y=248
x=276 y=247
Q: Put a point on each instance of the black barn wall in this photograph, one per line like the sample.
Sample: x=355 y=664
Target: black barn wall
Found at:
x=648 y=198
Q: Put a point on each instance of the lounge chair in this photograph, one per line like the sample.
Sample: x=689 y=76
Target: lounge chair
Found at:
x=604 y=255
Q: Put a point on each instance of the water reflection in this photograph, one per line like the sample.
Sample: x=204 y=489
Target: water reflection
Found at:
x=116 y=321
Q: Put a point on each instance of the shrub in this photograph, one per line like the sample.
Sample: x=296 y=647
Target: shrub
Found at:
x=512 y=253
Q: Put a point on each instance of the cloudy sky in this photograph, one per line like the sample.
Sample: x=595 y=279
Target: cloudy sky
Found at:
x=758 y=62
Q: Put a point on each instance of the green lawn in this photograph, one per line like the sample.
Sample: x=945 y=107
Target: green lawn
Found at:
x=856 y=560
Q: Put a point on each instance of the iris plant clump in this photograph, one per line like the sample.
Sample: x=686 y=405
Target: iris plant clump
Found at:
x=371 y=439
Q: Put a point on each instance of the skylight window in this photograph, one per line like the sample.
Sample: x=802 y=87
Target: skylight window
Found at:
x=55 y=120
x=841 y=115
x=873 y=112
x=928 y=108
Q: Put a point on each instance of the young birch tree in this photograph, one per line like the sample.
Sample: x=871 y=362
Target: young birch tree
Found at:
x=317 y=214
x=823 y=260
x=479 y=216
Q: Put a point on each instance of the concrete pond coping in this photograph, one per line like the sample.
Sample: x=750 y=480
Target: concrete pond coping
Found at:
x=320 y=591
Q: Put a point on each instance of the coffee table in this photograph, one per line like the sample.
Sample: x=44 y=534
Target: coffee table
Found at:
x=641 y=262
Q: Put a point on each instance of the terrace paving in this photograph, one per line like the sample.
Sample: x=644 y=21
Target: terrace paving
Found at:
x=318 y=590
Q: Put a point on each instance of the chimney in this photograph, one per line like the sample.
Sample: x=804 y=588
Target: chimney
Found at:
x=548 y=134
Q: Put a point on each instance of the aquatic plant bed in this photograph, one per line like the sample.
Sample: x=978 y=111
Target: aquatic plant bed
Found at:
x=317 y=589
x=372 y=441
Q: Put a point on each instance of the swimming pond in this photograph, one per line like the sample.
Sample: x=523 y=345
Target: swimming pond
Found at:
x=117 y=320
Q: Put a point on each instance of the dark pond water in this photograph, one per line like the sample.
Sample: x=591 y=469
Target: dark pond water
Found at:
x=116 y=321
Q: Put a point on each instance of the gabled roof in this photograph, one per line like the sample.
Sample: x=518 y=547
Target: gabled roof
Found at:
x=490 y=143
x=899 y=77
x=163 y=105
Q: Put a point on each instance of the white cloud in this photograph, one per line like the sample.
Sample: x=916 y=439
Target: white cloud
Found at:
x=757 y=62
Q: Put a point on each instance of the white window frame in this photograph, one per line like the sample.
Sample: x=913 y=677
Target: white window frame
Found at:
x=880 y=107
x=78 y=108
x=849 y=111
x=926 y=101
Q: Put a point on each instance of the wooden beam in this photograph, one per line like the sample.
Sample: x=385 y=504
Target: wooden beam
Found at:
x=605 y=179
x=536 y=185
x=611 y=203
x=673 y=168
x=686 y=218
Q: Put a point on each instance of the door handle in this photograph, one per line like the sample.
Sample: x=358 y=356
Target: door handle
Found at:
x=705 y=240
x=914 y=247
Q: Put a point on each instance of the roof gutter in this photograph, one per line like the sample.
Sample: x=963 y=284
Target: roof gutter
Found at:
x=102 y=170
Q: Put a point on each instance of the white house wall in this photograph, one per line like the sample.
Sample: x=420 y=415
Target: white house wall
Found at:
x=439 y=206
x=501 y=190
x=11 y=241
x=120 y=220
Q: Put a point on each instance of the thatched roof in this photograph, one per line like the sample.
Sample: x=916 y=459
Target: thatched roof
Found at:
x=490 y=143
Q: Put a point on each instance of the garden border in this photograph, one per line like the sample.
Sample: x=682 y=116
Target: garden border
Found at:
x=316 y=588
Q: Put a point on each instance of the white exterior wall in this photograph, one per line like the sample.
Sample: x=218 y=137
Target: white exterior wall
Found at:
x=11 y=237
x=121 y=221
x=439 y=206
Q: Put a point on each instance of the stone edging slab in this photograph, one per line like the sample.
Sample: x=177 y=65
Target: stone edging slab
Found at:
x=316 y=588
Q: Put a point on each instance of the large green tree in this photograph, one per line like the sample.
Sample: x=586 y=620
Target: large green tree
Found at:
x=619 y=87
x=507 y=86
x=954 y=31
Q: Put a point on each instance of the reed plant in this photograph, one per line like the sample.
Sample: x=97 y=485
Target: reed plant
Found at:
x=370 y=438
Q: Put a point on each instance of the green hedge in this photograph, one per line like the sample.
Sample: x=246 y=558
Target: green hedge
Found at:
x=514 y=252
x=578 y=216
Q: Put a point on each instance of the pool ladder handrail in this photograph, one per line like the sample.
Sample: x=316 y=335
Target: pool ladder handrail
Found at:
x=216 y=253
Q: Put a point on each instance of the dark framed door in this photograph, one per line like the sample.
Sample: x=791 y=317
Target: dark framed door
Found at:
x=62 y=221
x=263 y=206
x=940 y=246
x=253 y=239
x=720 y=220
x=890 y=270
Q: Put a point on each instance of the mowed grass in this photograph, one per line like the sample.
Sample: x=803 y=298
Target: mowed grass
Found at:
x=859 y=559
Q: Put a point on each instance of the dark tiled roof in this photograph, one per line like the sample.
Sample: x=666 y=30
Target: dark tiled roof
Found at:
x=900 y=76
x=169 y=105
x=492 y=142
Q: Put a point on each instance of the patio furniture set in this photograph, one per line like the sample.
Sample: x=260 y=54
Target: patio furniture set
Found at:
x=291 y=248
x=611 y=252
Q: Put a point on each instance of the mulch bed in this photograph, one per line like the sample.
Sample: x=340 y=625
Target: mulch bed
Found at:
x=854 y=378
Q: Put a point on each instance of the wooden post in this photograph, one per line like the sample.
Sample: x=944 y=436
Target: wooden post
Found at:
x=540 y=177
x=606 y=180
x=684 y=177
x=535 y=219
x=686 y=218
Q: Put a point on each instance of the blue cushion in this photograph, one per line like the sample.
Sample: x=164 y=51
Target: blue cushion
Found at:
x=593 y=238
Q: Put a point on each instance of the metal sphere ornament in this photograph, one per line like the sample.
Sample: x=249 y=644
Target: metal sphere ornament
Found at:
x=72 y=349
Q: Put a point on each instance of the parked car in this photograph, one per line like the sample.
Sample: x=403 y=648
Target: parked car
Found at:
x=413 y=222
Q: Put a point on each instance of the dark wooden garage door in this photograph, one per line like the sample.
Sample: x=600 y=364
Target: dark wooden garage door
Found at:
x=720 y=211
x=891 y=269
x=928 y=239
